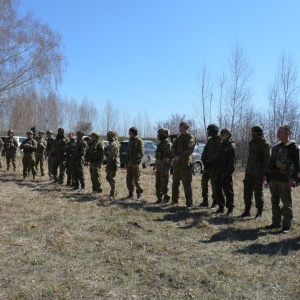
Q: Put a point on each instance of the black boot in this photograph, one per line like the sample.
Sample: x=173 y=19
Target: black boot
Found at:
x=204 y=203
x=229 y=211
x=259 y=214
x=246 y=213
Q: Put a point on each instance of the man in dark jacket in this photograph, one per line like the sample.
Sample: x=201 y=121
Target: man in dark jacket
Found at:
x=225 y=166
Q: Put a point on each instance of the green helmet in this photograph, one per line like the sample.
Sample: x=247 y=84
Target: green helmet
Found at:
x=257 y=129
x=10 y=131
x=212 y=130
x=60 y=131
x=96 y=134
x=80 y=133
x=163 y=133
x=112 y=134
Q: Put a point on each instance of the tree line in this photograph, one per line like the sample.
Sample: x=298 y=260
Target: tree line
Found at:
x=32 y=63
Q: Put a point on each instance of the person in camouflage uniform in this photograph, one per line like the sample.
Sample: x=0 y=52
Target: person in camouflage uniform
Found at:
x=163 y=163
x=29 y=147
x=11 y=148
x=1 y=149
x=70 y=163
x=50 y=142
x=204 y=188
x=282 y=176
x=94 y=158
x=257 y=166
x=78 y=156
x=225 y=166
x=134 y=156
x=40 y=152
x=113 y=161
x=59 y=156
x=208 y=159
x=182 y=150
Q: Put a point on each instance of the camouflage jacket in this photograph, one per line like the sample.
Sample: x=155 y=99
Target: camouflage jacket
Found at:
x=284 y=161
x=210 y=152
x=95 y=152
x=1 y=145
x=70 y=147
x=183 y=147
x=135 y=150
x=58 y=148
x=258 y=159
x=226 y=157
x=11 y=145
x=80 y=149
x=29 y=151
x=41 y=145
x=163 y=155
x=113 y=155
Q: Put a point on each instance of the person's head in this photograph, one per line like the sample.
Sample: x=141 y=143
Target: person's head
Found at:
x=94 y=136
x=112 y=135
x=79 y=134
x=133 y=132
x=49 y=133
x=41 y=134
x=163 y=133
x=71 y=135
x=10 y=132
x=183 y=127
x=257 y=131
x=212 y=130
x=284 y=133
x=29 y=134
x=225 y=133
x=60 y=131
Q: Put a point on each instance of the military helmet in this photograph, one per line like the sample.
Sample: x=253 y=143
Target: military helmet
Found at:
x=257 y=129
x=80 y=133
x=226 y=131
x=10 y=131
x=60 y=131
x=163 y=132
x=212 y=130
x=112 y=134
x=29 y=133
x=96 y=134
x=49 y=132
x=41 y=132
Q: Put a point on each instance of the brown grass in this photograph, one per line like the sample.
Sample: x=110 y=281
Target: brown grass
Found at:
x=59 y=244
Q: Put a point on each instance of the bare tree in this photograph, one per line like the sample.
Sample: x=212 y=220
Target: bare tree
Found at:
x=221 y=84
x=87 y=116
x=125 y=123
x=283 y=97
x=238 y=88
x=30 y=52
x=110 y=117
x=202 y=107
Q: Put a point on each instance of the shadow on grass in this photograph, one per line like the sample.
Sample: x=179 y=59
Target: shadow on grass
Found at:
x=233 y=234
x=275 y=248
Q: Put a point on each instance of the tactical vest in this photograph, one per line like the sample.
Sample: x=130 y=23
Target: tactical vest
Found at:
x=94 y=151
x=9 y=143
x=29 y=150
x=280 y=163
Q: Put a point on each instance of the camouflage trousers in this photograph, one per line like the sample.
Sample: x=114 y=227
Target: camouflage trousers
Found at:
x=79 y=172
x=224 y=185
x=95 y=172
x=70 y=170
x=281 y=191
x=162 y=176
x=28 y=161
x=110 y=177
x=212 y=178
x=204 y=184
x=252 y=184
x=59 y=162
x=40 y=161
x=10 y=157
x=50 y=161
x=133 y=178
x=182 y=173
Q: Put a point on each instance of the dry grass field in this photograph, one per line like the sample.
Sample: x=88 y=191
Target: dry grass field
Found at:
x=60 y=244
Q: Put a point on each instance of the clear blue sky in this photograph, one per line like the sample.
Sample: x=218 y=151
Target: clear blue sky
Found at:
x=146 y=54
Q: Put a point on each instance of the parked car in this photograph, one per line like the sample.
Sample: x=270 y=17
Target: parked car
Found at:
x=20 y=139
x=149 y=157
